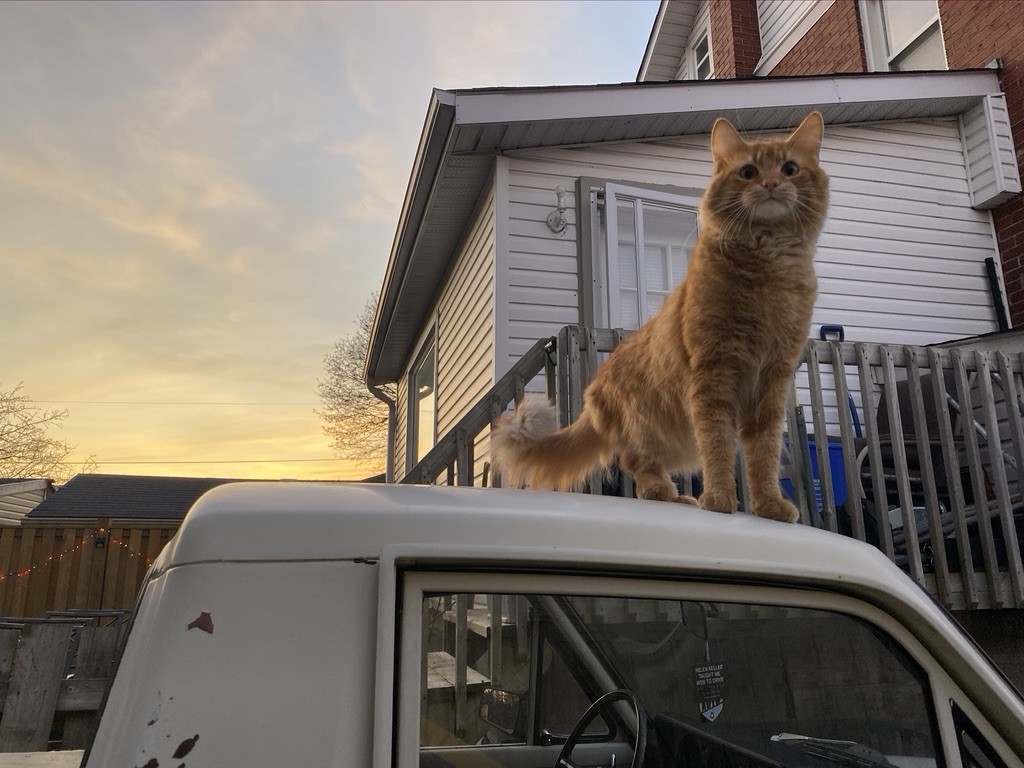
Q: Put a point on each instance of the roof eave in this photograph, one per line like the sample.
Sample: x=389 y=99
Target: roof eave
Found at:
x=437 y=128
x=489 y=106
x=652 y=41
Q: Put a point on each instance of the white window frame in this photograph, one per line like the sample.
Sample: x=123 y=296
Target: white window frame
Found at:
x=695 y=62
x=426 y=347
x=876 y=46
x=608 y=299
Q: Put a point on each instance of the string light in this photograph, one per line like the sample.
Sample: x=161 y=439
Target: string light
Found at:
x=50 y=558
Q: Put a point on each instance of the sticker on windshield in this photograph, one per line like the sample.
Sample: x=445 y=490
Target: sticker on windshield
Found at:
x=709 y=680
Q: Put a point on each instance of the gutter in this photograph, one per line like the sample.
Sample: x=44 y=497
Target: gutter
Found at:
x=389 y=476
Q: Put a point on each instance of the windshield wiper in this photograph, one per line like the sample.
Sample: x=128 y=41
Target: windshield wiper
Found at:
x=833 y=750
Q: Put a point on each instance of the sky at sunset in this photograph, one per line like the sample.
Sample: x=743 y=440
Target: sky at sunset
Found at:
x=196 y=200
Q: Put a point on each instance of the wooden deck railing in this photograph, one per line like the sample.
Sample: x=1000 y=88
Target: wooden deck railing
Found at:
x=934 y=480
x=917 y=450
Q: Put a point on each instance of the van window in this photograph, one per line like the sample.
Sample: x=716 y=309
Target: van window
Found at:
x=506 y=676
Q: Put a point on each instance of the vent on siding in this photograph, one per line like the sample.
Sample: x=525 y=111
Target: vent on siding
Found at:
x=992 y=172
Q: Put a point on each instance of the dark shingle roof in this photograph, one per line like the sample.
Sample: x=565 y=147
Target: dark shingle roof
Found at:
x=124 y=496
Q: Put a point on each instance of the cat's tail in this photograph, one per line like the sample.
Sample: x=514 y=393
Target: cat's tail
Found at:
x=529 y=448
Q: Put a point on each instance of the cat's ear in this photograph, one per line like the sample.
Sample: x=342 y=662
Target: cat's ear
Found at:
x=725 y=142
x=806 y=139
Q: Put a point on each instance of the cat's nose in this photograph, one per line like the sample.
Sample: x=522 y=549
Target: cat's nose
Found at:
x=770 y=184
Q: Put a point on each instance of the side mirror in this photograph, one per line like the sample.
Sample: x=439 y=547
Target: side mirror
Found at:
x=502 y=710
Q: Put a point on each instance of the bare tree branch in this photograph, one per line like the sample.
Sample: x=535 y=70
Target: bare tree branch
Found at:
x=354 y=420
x=26 y=448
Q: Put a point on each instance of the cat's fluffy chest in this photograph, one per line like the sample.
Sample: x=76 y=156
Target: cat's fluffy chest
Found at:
x=733 y=288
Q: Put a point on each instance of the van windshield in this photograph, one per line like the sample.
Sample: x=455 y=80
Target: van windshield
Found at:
x=734 y=684
x=764 y=678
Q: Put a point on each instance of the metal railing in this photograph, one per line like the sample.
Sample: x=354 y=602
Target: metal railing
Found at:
x=917 y=450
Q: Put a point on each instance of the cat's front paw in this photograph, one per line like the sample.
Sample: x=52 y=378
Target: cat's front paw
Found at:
x=778 y=509
x=719 y=502
x=682 y=499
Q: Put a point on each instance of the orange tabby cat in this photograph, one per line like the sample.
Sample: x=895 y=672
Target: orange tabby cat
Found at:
x=717 y=360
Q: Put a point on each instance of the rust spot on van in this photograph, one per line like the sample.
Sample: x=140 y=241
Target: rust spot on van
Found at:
x=185 y=747
x=204 y=622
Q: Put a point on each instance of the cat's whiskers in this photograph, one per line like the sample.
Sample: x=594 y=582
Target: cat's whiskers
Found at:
x=805 y=212
x=734 y=213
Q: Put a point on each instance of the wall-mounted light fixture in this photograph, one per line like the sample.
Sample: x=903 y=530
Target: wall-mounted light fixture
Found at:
x=556 y=219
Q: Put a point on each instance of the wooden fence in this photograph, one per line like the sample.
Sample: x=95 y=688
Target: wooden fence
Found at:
x=54 y=672
x=48 y=568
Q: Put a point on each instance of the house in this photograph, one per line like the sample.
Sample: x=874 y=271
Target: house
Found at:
x=122 y=500
x=770 y=38
x=18 y=496
x=544 y=223
x=482 y=265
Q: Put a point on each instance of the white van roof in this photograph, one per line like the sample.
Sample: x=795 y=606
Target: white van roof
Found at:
x=331 y=521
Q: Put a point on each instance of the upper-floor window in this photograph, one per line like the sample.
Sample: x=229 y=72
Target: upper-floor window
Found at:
x=901 y=35
x=702 y=58
x=696 y=61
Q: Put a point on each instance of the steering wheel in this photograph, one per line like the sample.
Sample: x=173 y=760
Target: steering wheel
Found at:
x=601 y=704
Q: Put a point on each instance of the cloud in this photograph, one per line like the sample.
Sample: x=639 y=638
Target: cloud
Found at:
x=89 y=192
x=197 y=198
x=508 y=43
x=381 y=176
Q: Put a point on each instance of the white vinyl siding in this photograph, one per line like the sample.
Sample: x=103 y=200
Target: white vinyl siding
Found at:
x=901 y=258
x=466 y=324
x=542 y=281
x=465 y=334
x=18 y=498
x=991 y=160
x=701 y=27
x=782 y=24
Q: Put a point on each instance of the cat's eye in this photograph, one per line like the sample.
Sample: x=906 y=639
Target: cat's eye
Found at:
x=748 y=172
x=790 y=168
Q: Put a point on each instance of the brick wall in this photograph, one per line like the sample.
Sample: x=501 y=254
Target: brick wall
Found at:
x=975 y=32
x=735 y=39
x=833 y=44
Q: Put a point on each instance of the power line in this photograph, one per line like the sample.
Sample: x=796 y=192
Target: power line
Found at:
x=221 y=461
x=165 y=402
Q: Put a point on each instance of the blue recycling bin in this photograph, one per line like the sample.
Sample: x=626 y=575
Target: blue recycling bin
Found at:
x=835 y=463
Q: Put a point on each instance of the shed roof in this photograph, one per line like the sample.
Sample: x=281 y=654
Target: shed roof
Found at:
x=92 y=496
x=466 y=129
